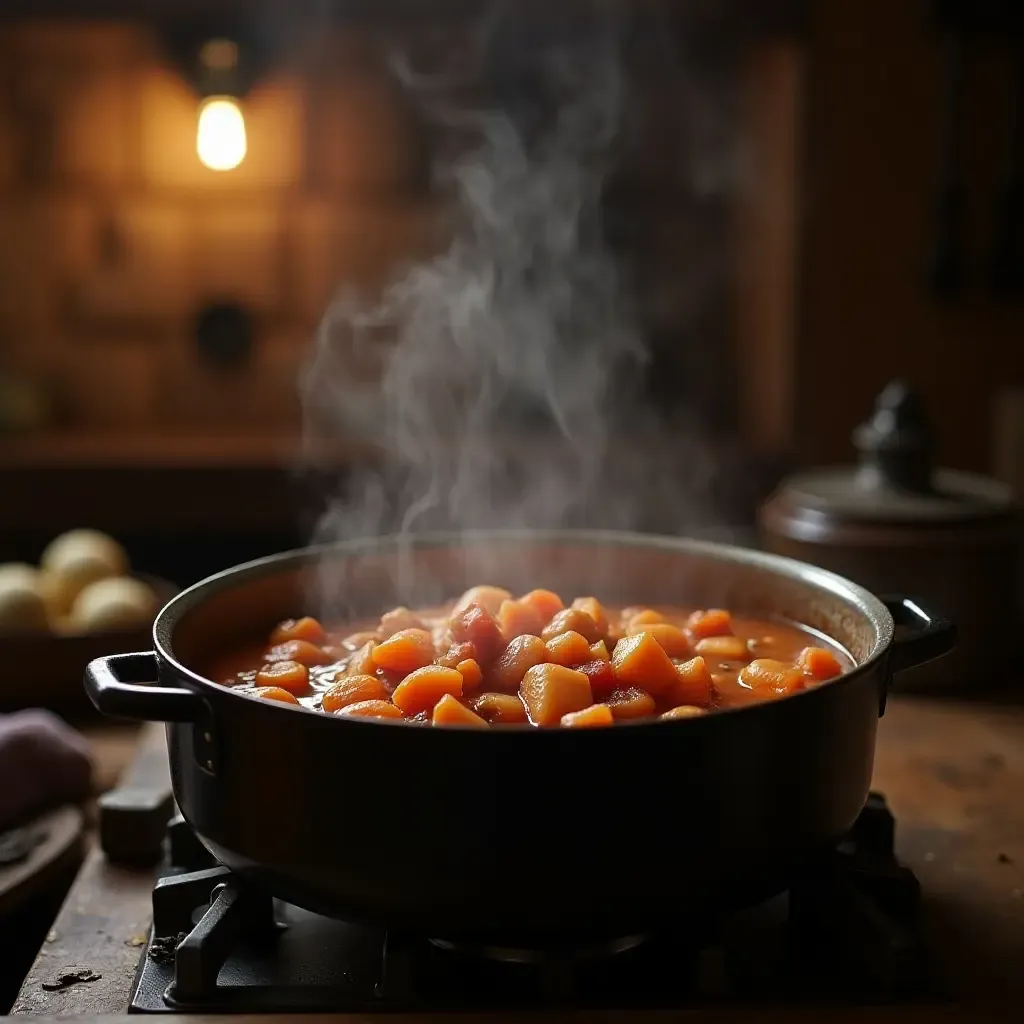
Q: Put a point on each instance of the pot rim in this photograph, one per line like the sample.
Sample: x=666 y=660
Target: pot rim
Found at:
x=858 y=597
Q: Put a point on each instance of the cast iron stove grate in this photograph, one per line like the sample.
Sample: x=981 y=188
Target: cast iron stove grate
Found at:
x=847 y=932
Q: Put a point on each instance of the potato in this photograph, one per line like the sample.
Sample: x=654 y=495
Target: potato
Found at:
x=641 y=661
x=351 y=690
x=694 y=684
x=422 y=689
x=118 y=602
x=499 y=707
x=22 y=604
x=78 y=558
x=405 y=651
x=724 y=648
x=673 y=640
x=594 y=716
x=551 y=691
x=450 y=711
x=515 y=661
x=488 y=598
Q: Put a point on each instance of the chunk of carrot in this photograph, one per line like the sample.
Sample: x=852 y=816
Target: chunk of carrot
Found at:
x=595 y=610
x=639 y=660
x=693 y=685
x=672 y=639
x=289 y=675
x=450 y=711
x=371 y=709
x=568 y=649
x=361 y=663
x=683 y=711
x=352 y=690
x=819 y=663
x=644 y=617
x=724 y=648
x=301 y=651
x=589 y=718
x=599 y=651
x=572 y=620
x=274 y=693
x=472 y=674
x=631 y=703
x=406 y=651
x=479 y=627
x=306 y=628
x=769 y=676
x=551 y=691
x=515 y=661
x=421 y=689
x=545 y=604
x=713 y=622
x=517 y=619
x=499 y=707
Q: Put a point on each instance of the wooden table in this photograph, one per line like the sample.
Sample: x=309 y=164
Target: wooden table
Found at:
x=953 y=774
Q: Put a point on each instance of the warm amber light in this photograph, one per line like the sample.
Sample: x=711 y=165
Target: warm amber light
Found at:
x=220 y=136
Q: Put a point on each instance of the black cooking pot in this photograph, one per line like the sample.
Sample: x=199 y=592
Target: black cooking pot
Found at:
x=517 y=832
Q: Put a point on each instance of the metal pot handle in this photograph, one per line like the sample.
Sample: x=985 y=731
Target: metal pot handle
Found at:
x=117 y=685
x=931 y=635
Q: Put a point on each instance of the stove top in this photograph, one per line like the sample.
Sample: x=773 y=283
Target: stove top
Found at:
x=845 y=933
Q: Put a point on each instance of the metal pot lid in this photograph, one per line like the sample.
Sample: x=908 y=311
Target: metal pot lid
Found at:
x=895 y=479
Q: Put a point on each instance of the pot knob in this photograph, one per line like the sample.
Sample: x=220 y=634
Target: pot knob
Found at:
x=897 y=444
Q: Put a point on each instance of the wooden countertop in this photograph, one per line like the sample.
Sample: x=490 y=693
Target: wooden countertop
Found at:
x=953 y=773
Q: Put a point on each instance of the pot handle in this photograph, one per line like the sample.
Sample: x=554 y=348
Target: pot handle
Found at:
x=930 y=636
x=117 y=686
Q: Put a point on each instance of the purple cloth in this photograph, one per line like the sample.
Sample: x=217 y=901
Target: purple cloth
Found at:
x=43 y=763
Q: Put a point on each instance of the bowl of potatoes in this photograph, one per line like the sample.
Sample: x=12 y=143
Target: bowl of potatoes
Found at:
x=80 y=602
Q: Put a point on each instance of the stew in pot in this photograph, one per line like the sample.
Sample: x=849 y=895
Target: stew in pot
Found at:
x=491 y=659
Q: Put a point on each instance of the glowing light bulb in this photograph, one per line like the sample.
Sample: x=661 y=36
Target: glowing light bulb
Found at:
x=220 y=135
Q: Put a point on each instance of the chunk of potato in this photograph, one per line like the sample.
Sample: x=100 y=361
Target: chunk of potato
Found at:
x=479 y=627
x=593 y=717
x=595 y=610
x=683 y=711
x=694 y=684
x=274 y=693
x=631 y=703
x=568 y=649
x=457 y=653
x=450 y=711
x=819 y=663
x=515 y=661
x=639 y=660
x=713 y=622
x=674 y=642
x=551 y=691
x=636 y=620
x=723 y=648
x=352 y=690
x=769 y=676
x=301 y=651
x=545 y=604
x=472 y=674
x=398 y=619
x=518 y=619
x=487 y=597
x=575 y=621
x=499 y=707
x=599 y=651
x=289 y=675
x=406 y=651
x=421 y=689
x=371 y=709
x=306 y=628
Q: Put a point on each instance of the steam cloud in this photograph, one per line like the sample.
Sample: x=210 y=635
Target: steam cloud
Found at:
x=496 y=377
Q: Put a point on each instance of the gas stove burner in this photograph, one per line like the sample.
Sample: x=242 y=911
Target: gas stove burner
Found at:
x=845 y=931
x=566 y=953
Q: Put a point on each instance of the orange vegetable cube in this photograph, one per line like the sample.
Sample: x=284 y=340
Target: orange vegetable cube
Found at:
x=595 y=610
x=572 y=620
x=724 y=648
x=301 y=651
x=487 y=597
x=449 y=711
x=545 y=604
x=406 y=651
x=479 y=627
x=289 y=675
x=361 y=663
x=644 y=617
x=769 y=676
x=551 y=691
x=714 y=622
x=515 y=661
x=568 y=649
x=683 y=711
x=274 y=693
x=457 y=653
x=371 y=709
x=819 y=663
x=518 y=619
x=694 y=684
x=472 y=674
x=421 y=689
x=639 y=660
x=599 y=651
x=398 y=619
x=499 y=707
x=352 y=690
x=674 y=642
x=631 y=703
x=306 y=628
x=594 y=716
